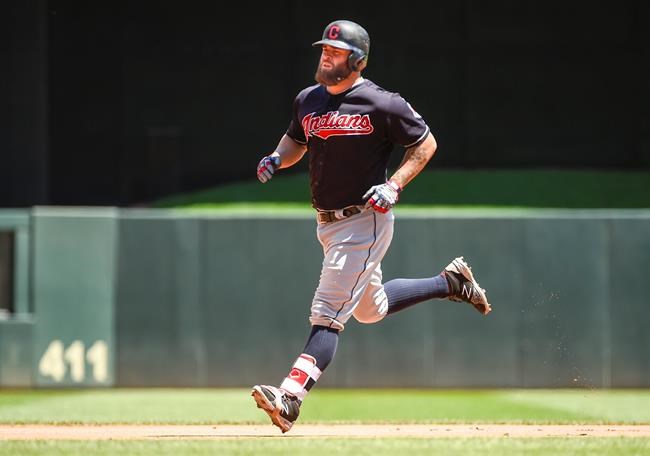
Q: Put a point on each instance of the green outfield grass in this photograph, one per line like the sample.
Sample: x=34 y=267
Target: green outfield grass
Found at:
x=235 y=406
x=214 y=406
x=340 y=447
x=449 y=188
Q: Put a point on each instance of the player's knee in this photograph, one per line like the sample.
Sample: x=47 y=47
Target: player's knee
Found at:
x=372 y=309
x=368 y=318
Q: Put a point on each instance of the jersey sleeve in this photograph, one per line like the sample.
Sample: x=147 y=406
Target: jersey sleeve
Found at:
x=405 y=126
x=295 y=130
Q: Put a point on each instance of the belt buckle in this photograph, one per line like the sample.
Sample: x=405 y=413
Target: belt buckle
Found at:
x=350 y=211
x=324 y=216
x=337 y=214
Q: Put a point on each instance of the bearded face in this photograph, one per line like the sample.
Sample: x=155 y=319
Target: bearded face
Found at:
x=329 y=74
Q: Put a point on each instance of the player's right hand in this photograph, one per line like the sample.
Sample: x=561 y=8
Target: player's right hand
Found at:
x=266 y=167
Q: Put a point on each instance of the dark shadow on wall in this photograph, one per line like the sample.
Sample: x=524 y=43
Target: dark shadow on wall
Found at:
x=120 y=103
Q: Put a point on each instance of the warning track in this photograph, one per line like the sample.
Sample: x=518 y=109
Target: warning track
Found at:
x=193 y=432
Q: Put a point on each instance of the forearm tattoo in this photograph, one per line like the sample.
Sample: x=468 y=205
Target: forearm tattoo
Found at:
x=415 y=159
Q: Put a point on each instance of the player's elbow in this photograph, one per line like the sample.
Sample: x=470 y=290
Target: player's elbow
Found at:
x=431 y=145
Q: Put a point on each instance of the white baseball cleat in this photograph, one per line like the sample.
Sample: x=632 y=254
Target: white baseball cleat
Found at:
x=282 y=408
x=464 y=287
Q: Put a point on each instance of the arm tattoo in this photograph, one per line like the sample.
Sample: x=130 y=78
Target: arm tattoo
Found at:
x=413 y=162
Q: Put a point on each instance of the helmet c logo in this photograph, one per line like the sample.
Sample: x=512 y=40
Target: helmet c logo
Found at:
x=334 y=32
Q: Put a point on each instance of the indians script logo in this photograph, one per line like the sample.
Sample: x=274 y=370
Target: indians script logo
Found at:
x=335 y=124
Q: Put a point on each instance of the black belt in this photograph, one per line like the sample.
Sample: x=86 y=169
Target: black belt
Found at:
x=337 y=214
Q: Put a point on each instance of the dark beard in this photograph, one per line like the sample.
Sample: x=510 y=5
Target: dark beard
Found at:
x=333 y=76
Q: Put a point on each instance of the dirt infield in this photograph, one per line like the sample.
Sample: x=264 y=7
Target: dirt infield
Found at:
x=170 y=432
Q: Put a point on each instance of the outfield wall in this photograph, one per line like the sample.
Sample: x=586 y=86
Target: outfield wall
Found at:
x=125 y=297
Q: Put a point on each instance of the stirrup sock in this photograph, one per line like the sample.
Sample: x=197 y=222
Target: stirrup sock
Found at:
x=302 y=377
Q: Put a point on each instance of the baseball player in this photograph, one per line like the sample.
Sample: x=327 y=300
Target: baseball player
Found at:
x=349 y=125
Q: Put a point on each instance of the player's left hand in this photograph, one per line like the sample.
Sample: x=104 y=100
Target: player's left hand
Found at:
x=383 y=197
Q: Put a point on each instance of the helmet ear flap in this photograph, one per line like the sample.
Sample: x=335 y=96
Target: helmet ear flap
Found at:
x=355 y=59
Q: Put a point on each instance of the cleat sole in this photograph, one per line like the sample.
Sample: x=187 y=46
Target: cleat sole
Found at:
x=463 y=268
x=273 y=413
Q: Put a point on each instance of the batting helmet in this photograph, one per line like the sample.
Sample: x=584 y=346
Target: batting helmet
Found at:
x=350 y=36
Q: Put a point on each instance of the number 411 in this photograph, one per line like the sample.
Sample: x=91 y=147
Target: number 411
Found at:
x=53 y=362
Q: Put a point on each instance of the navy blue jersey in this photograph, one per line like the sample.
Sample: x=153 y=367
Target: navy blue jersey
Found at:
x=349 y=138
